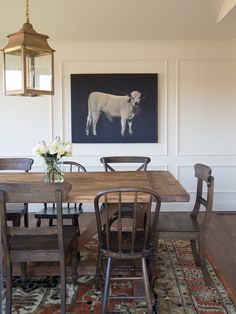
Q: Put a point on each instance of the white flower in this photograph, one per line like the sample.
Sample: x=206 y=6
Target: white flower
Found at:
x=68 y=148
x=57 y=148
x=40 y=149
x=52 y=148
x=60 y=151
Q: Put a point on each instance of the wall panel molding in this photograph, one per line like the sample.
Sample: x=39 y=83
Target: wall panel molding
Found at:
x=159 y=66
x=230 y=66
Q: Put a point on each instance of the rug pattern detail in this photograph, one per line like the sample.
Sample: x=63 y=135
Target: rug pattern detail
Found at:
x=179 y=288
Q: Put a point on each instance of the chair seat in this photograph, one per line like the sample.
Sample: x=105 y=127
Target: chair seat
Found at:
x=16 y=208
x=42 y=243
x=177 y=222
x=50 y=212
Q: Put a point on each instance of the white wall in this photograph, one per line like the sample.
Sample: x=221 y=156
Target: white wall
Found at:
x=196 y=109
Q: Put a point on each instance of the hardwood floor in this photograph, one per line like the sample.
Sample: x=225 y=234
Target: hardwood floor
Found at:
x=220 y=247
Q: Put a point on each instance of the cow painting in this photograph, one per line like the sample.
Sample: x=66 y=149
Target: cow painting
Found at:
x=113 y=106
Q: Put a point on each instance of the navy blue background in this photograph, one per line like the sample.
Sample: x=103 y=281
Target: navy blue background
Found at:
x=144 y=124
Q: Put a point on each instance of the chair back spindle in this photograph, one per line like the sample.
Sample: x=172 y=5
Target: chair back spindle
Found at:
x=114 y=201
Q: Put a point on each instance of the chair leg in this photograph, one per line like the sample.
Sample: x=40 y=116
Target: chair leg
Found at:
x=50 y=222
x=151 y=267
x=26 y=218
x=1 y=282
x=9 y=288
x=74 y=265
x=98 y=271
x=23 y=267
x=106 y=287
x=63 y=285
x=16 y=221
x=147 y=287
x=195 y=252
x=38 y=222
x=75 y=223
x=206 y=275
x=78 y=230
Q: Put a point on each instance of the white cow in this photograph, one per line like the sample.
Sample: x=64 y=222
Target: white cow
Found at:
x=124 y=107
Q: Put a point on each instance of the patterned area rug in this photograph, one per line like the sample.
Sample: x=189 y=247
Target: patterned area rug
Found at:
x=179 y=288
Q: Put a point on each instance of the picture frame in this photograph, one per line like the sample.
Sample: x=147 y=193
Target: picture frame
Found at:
x=114 y=108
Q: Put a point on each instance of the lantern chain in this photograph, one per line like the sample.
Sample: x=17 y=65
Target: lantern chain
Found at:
x=27 y=11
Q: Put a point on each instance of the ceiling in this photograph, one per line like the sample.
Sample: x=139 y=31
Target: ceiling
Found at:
x=122 y=20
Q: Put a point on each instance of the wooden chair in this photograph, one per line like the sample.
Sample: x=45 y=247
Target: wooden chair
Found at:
x=34 y=244
x=135 y=163
x=16 y=211
x=70 y=211
x=126 y=241
x=177 y=226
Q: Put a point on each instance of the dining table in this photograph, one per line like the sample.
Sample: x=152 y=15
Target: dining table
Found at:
x=85 y=186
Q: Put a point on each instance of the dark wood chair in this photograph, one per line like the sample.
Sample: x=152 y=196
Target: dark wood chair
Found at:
x=124 y=240
x=133 y=163
x=70 y=211
x=34 y=244
x=16 y=211
x=176 y=226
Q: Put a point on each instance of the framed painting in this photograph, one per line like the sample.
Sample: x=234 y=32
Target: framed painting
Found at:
x=114 y=108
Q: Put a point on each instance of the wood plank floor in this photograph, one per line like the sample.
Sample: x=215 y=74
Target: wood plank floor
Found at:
x=220 y=247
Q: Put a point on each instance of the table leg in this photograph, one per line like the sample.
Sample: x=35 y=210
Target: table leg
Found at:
x=87 y=234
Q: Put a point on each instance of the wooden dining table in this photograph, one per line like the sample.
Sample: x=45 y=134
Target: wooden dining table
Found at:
x=85 y=186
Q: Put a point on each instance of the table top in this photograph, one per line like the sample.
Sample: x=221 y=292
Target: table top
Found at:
x=85 y=185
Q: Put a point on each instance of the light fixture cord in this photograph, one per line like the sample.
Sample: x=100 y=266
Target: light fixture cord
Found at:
x=27 y=11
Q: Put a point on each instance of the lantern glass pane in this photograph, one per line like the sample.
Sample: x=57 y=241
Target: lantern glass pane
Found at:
x=13 y=72
x=39 y=71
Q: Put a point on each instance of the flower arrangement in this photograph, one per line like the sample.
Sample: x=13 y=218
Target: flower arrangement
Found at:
x=52 y=153
x=56 y=149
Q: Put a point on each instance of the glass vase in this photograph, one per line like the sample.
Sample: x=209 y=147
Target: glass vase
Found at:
x=53 y=170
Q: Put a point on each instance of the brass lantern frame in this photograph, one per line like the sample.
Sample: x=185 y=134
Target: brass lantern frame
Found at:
x=28 y=45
